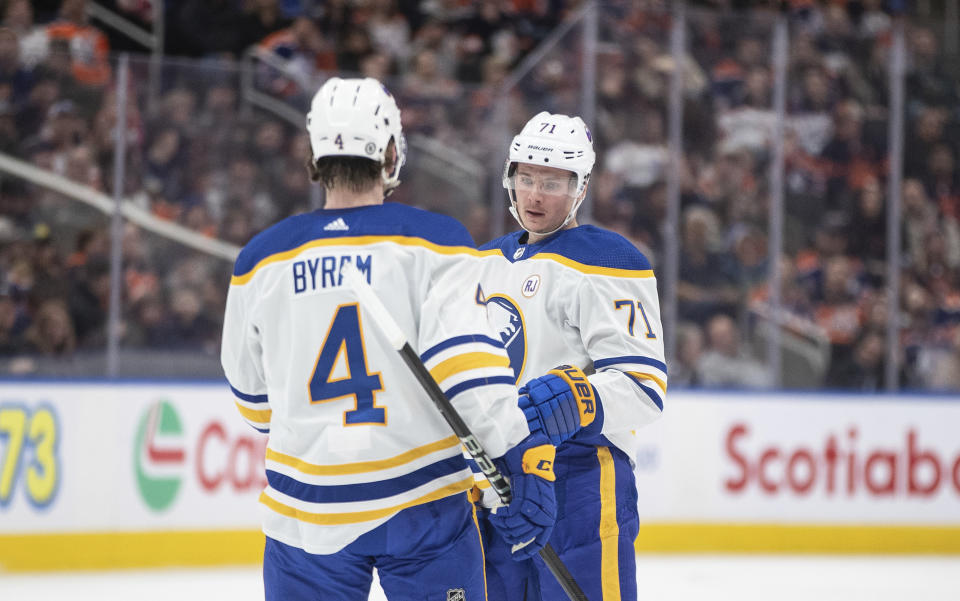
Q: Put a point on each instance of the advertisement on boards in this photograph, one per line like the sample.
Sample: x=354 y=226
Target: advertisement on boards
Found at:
x=94 y=457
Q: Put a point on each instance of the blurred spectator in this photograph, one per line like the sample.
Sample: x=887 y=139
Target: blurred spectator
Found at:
x=725 y=364
x=928 y=128
x=13 y=322
x=749 y=268
x=51 y=333
x=640 y=161
x=354 y=46
x=706 y=284
x=942 y=182
x=186 y=325
x=204 y=156
x=88 y=46
x=839 y=313
x=865 y=370
x=80 y=166
x=866 y=231
x=18 y=17
x=927 y=79
x=302 y=52
x=389 y=28
x=259 y=19
x=16 y=81
x=164 y=172
x=88 y=301
x=211 y=27
x=690 y=346
x=90 y=242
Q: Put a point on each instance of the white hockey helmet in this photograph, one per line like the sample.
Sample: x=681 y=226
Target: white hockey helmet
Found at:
x=551 y=140
x=357 y=118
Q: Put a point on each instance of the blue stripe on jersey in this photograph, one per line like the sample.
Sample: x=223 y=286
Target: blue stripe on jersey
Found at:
x=250 y=398
x=585 y=244
x=390 y=219
x=477 y=382
x=367 y=491
x=630 y=359
x=260 y=430
x=466 y=339
x=653 y=394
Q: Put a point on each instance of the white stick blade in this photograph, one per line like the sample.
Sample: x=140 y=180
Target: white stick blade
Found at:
x=369 y=301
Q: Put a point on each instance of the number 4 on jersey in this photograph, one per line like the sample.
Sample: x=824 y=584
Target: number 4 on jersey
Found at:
x=344 y=341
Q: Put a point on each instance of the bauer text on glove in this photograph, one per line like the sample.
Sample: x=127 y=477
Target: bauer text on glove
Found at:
x=559 y=403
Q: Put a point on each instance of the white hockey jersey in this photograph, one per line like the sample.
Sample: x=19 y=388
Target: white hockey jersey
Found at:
x=586 y=297
x=353 y=439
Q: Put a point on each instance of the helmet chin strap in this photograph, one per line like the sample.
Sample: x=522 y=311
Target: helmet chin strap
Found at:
x=516 y=215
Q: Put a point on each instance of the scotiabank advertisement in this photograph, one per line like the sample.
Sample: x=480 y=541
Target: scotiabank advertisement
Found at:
x=84 y=457
x=802 y=458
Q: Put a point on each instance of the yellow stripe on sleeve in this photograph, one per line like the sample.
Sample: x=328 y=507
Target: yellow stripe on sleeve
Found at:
x=333 y=519
x=261 y=416
x=465 y=362
x=609 y=529
x=643 y=376
x=361 y=467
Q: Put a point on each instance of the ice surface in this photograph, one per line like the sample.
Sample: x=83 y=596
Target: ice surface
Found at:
x=664 y=578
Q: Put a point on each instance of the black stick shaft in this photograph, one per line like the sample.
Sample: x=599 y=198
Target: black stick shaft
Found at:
x=497 y=481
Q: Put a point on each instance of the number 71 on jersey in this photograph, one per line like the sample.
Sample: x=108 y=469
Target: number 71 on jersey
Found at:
x=634 y=305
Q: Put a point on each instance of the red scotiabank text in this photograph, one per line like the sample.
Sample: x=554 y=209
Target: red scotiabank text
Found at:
x=226 y=458
x=841 y=466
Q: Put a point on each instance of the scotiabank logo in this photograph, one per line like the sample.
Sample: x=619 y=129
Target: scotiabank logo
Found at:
x=841 y=465
x=158 y=455
x=219 y=458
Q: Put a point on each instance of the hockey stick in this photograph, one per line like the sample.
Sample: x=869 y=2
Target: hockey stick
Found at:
x=389 y=327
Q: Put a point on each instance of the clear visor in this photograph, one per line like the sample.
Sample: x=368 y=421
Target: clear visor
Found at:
x=525 y=180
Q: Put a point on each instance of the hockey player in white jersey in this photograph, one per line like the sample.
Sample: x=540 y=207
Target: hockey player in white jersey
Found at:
x=565 y=299
x=362 y=470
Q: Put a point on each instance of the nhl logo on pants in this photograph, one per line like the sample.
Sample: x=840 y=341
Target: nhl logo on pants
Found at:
x=456 y=594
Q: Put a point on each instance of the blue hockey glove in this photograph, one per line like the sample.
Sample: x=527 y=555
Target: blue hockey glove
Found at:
x=527 y=522
x=559 y=403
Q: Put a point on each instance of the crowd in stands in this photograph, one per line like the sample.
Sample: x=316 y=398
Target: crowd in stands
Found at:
x=197 y=157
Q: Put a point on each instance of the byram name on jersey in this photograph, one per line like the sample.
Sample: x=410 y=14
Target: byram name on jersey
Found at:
x=325 y=272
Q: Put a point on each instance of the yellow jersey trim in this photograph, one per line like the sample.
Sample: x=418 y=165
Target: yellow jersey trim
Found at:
x=466 y=362
x=609 y=529
x=483 y=552
x=240 y=280
x=355 y=517
x=594 y=269
x=361 y=467
x=261 y=417
x=643 y=376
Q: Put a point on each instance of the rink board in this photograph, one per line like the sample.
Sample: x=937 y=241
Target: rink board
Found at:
x=131 y=474
x=801 y=473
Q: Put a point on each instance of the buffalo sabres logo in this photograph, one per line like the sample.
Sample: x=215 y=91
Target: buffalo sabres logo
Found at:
x=507 y=320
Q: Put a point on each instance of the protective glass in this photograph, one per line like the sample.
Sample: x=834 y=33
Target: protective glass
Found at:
x=561 y=183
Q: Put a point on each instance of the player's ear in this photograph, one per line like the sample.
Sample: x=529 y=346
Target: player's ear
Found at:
x=311 y=166
x=390 y=157
x=583 y=193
